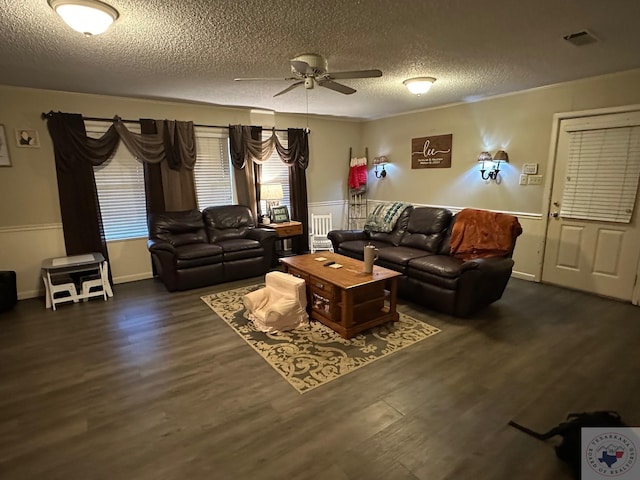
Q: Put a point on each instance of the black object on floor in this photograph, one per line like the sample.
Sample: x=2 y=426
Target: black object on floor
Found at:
x=8 y=290
x=570 y=449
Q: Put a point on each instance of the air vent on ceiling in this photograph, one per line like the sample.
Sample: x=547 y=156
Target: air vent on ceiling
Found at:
x=579 y=39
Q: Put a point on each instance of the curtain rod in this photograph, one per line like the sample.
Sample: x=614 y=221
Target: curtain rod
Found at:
x=99 y=119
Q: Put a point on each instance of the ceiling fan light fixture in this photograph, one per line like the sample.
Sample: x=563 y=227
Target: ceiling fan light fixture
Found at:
x=419 y=85
x=90 y=17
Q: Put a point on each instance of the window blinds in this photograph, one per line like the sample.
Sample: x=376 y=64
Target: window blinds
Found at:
x=275 y=170
x=212 y=170
x=602 y=174
x=120 y=185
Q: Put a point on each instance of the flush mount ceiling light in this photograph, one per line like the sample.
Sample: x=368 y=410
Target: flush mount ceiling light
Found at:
x=419 y=85
x=90 y=17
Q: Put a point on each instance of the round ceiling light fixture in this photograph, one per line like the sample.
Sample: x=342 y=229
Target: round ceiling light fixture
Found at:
x=90 y=17
x=419 y=85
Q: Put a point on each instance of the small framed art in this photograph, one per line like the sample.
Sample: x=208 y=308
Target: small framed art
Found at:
x=27 y=138
x=5 y=161
x=279 y=214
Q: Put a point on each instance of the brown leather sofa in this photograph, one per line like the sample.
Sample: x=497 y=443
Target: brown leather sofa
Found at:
x=419 y=248
x=192 y=249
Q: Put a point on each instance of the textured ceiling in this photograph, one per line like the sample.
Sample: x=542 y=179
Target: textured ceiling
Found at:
x=192 y=49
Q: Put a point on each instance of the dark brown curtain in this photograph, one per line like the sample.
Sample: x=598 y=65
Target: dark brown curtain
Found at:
x=297 y=156
x=152 y=175
x=246 y=169
x=75 y=156
x=256 y=134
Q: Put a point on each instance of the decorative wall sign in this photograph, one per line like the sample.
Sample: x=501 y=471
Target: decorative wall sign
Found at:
x=279 y=214
x=431 y=152
x=5 y=161
x=27 y=138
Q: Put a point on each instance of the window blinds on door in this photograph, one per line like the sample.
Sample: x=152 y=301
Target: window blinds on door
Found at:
x=602 y=174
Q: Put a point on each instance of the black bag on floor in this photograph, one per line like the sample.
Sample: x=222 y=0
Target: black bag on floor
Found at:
x=8 y=290
x=570 y=448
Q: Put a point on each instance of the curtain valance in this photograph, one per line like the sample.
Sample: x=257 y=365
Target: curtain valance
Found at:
x=244 y=148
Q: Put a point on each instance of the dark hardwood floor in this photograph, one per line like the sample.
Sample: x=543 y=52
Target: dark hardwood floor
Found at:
x=151 y=385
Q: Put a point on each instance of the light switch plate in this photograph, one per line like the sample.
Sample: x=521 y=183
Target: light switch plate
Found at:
x=524 y=179
x=535 y=179
x=530 y=168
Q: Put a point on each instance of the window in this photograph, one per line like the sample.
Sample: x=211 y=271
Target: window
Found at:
x=120 y=182
x=275 y=170
x=120 y=185
x=212 y=171
x=602 y=174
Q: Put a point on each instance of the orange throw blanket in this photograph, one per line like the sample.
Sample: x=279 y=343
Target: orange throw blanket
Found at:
x=483 y=234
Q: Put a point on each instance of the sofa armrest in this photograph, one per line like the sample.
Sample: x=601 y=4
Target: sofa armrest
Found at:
x=160 y=245
x=262 y=234
x=489 y=265
x=339 y=236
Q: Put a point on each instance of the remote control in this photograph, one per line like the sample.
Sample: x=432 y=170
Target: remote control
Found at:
x=329 y=263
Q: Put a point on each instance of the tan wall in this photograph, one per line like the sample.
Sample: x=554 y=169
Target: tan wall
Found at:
x=30 y=228
x=520 y=124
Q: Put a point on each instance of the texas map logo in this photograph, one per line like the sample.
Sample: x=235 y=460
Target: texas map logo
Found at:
x=611 y=454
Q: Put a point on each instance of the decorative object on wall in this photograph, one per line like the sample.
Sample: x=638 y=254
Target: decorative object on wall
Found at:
x=431 y=152
x=381 y=160
x=419 y=85
x=492 y=174
x=27 y=138
x=5 y=161
x=90 y=17
x=271 y=193
x=279 y=214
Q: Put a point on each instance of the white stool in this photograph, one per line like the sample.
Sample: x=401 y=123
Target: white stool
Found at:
x=96 y=281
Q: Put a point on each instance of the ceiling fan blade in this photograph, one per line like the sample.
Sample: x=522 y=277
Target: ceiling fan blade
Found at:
x=302 y=67
x=355 y=74
x=289 y=88
x=260 y=79
x=338 y=87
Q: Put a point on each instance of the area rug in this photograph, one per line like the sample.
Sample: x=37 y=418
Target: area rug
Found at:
x=313 y=355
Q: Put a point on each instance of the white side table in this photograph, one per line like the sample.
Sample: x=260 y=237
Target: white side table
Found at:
x=73 y=264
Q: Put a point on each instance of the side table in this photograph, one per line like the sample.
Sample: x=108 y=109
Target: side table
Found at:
x=285 y=230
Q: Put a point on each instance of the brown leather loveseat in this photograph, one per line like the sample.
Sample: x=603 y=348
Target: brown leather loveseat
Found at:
x=419 y=247
x=193 y=249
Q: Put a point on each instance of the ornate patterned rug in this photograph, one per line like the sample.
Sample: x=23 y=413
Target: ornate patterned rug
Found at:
x=313 y=355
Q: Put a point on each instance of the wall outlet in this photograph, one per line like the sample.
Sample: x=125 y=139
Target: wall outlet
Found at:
x=535 y=179
x=530 y=168
x=524 y=179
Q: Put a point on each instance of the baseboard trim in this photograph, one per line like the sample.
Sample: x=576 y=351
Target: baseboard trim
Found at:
x=524 y=276
x=132 y=278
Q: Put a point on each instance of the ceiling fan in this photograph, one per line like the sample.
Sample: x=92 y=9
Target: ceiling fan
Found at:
x=310 y=69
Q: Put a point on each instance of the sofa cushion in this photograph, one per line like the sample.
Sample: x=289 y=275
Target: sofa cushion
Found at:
x=240 y=248
x=196 y=255
x=441 y=265
x=178 y=228
x=426 y=228
x=400 y=255
x=355 y=248
x=227 y=222
x=396 y=234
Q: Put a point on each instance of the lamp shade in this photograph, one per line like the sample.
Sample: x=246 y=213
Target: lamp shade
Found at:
x=484 y=157
x=419 y=85
x=381 y=160
x=90 y=17
x=271 y=191
x=502 y=156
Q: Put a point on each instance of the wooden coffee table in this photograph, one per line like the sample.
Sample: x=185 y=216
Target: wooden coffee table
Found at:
x=346 y=299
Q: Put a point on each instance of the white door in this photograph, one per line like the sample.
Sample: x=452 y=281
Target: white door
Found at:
x=596 y=256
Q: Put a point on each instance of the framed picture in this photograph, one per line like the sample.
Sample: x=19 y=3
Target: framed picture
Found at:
x=279 y=214
x=27 y=138
x=5 y=161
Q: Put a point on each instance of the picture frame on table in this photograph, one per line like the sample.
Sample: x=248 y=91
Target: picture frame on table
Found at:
x=5 y=160
x=280 y=214
x=27 y=138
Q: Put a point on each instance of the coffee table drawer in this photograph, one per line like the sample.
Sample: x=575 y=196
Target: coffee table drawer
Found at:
x=321 y=286
x=298 y=273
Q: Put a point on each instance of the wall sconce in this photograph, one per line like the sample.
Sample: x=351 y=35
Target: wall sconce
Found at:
x=500 y=156
x=382 y=160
